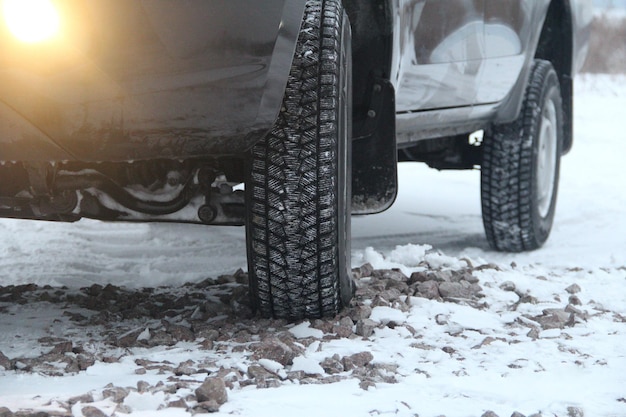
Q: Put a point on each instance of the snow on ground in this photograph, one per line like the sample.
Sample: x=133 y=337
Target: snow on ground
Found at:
x=442 y=357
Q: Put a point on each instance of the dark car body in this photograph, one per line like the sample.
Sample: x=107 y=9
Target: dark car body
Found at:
x=154 y=110
x=152 y=79
x=135 y=80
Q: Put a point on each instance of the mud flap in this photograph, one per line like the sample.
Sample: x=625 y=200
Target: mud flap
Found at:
x=374 y=154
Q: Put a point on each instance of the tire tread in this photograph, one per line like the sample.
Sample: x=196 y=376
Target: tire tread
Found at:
x=293 y=202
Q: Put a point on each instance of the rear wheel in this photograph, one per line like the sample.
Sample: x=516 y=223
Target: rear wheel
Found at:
x=298 y=189
x=520 y=168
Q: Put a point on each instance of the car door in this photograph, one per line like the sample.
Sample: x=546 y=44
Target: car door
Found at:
x=508 y=30
x=441 y=50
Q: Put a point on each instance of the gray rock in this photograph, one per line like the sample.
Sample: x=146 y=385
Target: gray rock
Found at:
x=346 y=322
x=360 y=312
x=379 y=301
x=143 y=386
x=533 y=333
x=332 y=365
x=428 y=289
x=508 y=286
x=575 y=412
x=386 y=372
x=389 y=274
x=275 y=350
x=577 y=312
x=365 y=385
x=184 y=371
x=324 y=325
x=129 y=339
x=573 y=289
x=357 y=360
x=180 y=403
x=366 y=270
x=179 y=332
x=241 y=277
x=268 y=383
x=420 y=276
x=469 y=277
x=5 y=362
x=116 y=394
x=61 y=348
x=489 y=414
x=488 y=266
x=212 y=389
x=296 y=375
x=91 y=411
x=553 y=318
x=574 y=300
x=208 y=406
x=5 y=412
x=462 y=289
x=344 y=327
x=207 y=332
x=401 y=286
x=365 y=327
x=258 y=372
x=85 y=361
x=225 y=279
x=122 y=409
x=441 y=319
x=392 y=294
x=517 y=414
x=83 y=399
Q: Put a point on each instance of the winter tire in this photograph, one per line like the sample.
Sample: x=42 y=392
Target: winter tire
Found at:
x=520 y=167
x=298 y=189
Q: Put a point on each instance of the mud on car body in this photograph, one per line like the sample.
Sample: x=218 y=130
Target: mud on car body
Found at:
x=128 y=110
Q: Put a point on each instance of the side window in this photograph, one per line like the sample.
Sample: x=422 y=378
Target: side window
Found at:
x=449 y=31
x=442 y=50
x=506 y=25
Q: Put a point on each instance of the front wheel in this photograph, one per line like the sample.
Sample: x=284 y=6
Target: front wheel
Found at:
x=520 y=168
x=298 y=189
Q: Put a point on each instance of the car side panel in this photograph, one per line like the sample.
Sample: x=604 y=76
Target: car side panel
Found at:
x=440 y=48
x=148 y=79
x=511 y=29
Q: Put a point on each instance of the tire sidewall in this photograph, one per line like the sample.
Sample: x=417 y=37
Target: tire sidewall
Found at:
x=550 y=92
x=344 y=165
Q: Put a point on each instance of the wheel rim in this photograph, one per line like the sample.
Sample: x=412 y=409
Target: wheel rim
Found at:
x=546 y=158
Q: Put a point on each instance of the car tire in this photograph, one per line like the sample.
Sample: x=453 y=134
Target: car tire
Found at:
x=520 y=167
x=298 y=187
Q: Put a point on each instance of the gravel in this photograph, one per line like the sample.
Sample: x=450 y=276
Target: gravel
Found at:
x=216 y=313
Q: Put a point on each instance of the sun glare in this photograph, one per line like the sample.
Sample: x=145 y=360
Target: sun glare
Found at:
x=31 y=20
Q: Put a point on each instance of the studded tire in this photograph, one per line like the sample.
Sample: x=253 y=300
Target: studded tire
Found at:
x=520 y=168
x=298 y=189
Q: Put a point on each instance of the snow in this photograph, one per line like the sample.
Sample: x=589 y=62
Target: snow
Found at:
x=383 y=314
x=462 y=360
x=304 y=330
x=274 y=367
x=309 y=366
x=144 y=401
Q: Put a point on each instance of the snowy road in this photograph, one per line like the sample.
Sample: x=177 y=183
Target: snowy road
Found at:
x=582 y=366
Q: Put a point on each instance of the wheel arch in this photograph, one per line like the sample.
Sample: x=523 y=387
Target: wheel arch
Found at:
x=556 y=44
